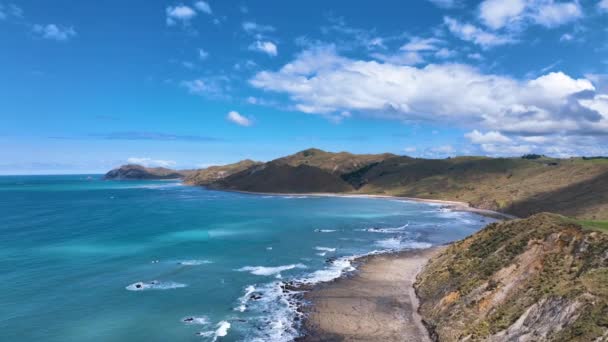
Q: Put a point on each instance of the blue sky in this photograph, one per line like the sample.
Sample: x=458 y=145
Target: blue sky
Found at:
x=86 y=86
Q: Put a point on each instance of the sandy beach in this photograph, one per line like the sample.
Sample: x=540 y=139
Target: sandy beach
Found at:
x=378 y=303
x=452 y=205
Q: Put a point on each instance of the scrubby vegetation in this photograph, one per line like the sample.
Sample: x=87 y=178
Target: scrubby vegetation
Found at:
x=541 y=278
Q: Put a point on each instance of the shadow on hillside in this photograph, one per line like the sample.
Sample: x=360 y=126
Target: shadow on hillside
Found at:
x=573 y=200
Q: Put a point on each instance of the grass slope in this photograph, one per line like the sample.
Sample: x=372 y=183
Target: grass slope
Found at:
x=211 y=174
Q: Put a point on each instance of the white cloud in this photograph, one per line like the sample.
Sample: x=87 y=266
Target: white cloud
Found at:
x=264 y=46
x=548 y=13
x=445 y=53
x=409 y=149
x=239 y=119
x=11 y=10
x=566 y=37
x=196 y=86
x=149 y=162
x=322 y=82
x=253 y=28
x=417 y=44
x=491 y=137
x=498 y=14
x=401 y=58
x=217 y=86
x=52 y=31
x=180 y=13
x=202 y=54
x=474 y=34
x=203 y=7
x=603 y=5
x=476 y=56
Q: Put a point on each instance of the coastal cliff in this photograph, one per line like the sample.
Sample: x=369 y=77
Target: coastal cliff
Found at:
x=544 y=278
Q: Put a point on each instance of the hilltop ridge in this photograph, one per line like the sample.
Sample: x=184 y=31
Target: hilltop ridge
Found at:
x=520 y=186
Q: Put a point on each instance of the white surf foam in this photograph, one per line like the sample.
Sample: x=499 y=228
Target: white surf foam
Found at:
x=267 y=271
x=220 y=331
x=325 y=249
x=385 y=230
x=194 y=262
x=398 y=243
x=155 y=285
x=249 y=290
x=325 y=230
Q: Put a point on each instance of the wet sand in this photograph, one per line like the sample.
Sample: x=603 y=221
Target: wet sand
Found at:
x=378 y=303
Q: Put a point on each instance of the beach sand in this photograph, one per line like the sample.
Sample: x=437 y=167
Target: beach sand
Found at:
x=378 y=303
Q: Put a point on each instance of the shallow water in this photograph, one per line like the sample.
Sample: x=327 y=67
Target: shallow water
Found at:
x=87 y=259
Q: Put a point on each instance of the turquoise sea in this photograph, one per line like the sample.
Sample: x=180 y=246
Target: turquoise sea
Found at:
x=83 y=259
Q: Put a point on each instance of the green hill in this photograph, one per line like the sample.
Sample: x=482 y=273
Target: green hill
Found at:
x=519 y=186
x=576 y=187
x=282 y=178
x=212 y=174
x=132 y=171
x=544 y=278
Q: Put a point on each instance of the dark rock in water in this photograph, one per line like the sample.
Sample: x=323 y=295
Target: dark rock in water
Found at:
x=188 y=319
x=330 y=260
x=255 y=296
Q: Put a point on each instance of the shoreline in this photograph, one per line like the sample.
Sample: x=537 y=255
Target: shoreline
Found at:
x=452 y=205
x=377 y=301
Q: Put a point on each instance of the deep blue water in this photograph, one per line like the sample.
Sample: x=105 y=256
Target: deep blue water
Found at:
x=73 y=250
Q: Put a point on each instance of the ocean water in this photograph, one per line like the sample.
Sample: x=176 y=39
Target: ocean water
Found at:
x=82 y=259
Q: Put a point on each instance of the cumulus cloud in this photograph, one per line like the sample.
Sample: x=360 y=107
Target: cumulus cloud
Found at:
x=323 y=82
x=471 y=33
x=179 y=13
x=149 y=162
x=55 y=32
x=239 y=119
x=266 y=47
x=603 y=5
x=498 y=14
x=203 y=7
x=491 y=137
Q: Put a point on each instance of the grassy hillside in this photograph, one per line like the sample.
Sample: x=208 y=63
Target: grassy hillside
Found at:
x=214 y=173
x=336 y=163
x=536 y=279
x=132 y=171
x=576 y=187
x=521 y=187
x=281 y=178
x=573 y=187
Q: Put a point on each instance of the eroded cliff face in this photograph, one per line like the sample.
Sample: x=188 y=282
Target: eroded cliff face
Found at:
x=543 y=278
